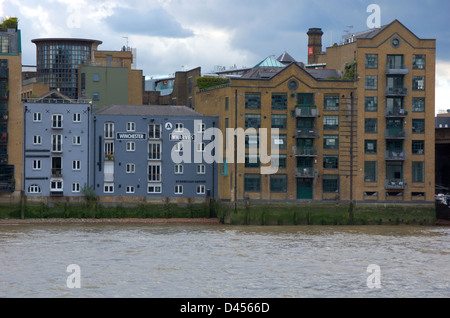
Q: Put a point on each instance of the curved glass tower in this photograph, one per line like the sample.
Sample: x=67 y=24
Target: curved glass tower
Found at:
x=58 y=59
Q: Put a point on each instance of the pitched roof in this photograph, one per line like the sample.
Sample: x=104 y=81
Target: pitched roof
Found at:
x=269 y=62
x=148 y=110
x=286 y=58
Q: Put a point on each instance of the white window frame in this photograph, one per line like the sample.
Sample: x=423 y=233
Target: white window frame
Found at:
x=201 y=127
x=76 y=188
x=178 y=147
x=178 y=189
x=108 y=188
x=152 y=154
x=76 y=165
x=201 y=189
x=58 y=146
x=179 y=127
x=37 y=164
x=76 y=140
x=158 y=175
x=37 y=140
x=154 y=133
x=37 y=117
x=76 y=118
x=59 y=183
x=200 y=146
x=153 y=187
x=34 y=188
x=131 y=126
x=201 y=169
x=179 y=169
x=130 y=168
x=108 y=130
x=57 y=121
x=130 y=190
x=131 y=146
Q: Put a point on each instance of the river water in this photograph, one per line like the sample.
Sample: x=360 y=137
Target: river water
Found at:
x=219 y=261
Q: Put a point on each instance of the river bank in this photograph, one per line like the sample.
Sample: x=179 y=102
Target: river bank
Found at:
x=109 y=221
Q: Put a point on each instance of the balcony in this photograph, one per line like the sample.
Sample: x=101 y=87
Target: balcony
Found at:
x=306 y=173
x=395 y=184
x=395 y=155
x=57 y=172
x=4 y=95
x=395 y=133
x=4 y=159
x=305 y=151
x=306 y=133
x=397 y=91
x=109 y=157
x=396 y=112
x=4 y=137
x=306 y=111
x=397 y=69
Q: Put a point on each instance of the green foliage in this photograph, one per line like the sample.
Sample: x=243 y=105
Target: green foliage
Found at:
x=350 y=71
x=10 y=23
x=209 y=81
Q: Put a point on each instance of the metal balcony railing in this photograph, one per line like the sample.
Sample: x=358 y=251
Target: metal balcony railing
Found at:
x=397 y=69
x=396 y=112
x=395 y=133
x=306 y=133
x=396 y=91
x=396 y=184
x=305 y=151
x=309 y=173
x=395 y=155
x=306 y=111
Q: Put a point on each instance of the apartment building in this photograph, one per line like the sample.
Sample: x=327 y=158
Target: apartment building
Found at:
x=11 y=115
x=56 y=153
x=351 y=122
x=150 y=151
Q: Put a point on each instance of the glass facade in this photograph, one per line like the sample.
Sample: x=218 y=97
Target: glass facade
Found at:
x=58 y=61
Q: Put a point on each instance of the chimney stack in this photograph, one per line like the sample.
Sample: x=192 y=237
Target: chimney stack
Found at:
x=314 y=44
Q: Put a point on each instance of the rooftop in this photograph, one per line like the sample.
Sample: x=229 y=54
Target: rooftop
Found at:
x=148 y=110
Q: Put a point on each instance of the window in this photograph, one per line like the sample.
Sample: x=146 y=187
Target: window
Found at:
x=330 y=162
x=252 y=101
x=131 y=146
x=56 y=185
x=418 y=147
x=371 y=104
x=179 y=127
x=252 y=183
x=76 y=117
x=281 y=161
x=154 y=188
x=37 y=117
x=109 y=150
x=108 y=188
x=130 y=168
x=37 y=165
x=154 y=172
x=57 y=121
x=251 y=141
x=76 y=165
x=201 y=189
x=279 y=102
x=154 y=131
x=330 y=122
x=178 y=189
x=178 y=169
x=251 y=160
x=200 y=146
x=418 y=126
x=76 y=187
x=130 y=190
x=57 y=143
x=96 y=96
x=419 y=62
x=370 y=171
x=370 y=146
x=372 y=61
x=418 y=83
x=201 y=169
x=109 y=130
x=278 y=183
x=252 y=121
x=37 y=140
x=227 y=103
x=76 y=140
x=279 y=121
x=418 y=171
x=331 y=102
x=95 y=77
x=370 y=125
x=131 y=126
x=201 y=127
x=330 y=142
x=178 y=147
x=330 y=184
x=418 y=104
x=371 y=82
x=305 y=99
x=394 y=62
x=34 y=188
x=280 y=141
x=154 y=151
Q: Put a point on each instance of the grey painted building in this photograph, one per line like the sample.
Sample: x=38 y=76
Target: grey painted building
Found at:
x=56 y=146
x=134 y=149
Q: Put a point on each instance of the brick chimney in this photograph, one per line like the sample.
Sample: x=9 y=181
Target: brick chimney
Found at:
x=314 y=44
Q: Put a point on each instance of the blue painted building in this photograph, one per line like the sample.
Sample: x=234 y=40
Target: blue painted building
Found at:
x=136 y=152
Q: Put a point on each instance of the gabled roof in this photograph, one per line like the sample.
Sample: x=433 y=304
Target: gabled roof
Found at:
x=55 y=94
x=148 y=110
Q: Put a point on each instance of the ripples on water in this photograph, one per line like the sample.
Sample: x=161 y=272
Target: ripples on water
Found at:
x=214 y=261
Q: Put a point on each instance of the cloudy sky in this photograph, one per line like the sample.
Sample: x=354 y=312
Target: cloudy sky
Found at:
x=172 y=35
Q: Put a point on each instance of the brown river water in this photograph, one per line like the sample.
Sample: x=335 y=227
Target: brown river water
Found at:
x=220 y=261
